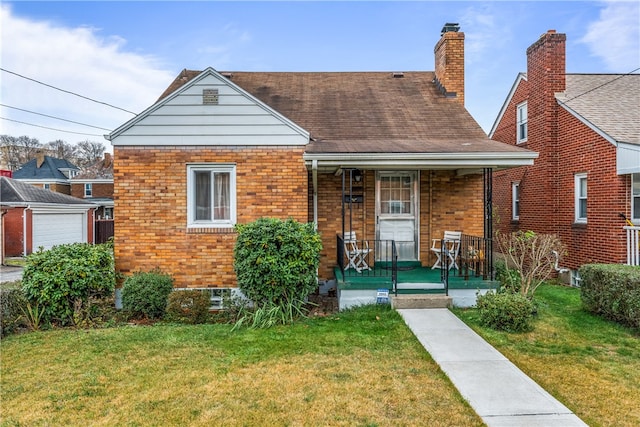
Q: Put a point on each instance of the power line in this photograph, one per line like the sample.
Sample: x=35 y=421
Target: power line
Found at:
x=53 y=117
x=598 y=87
x=66 y=91
x=45 y=127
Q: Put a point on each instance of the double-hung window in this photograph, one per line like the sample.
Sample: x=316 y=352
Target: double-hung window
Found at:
x=635 y=198
x=515 y=201
x=211 y=195
x=88 y=189
x=581 y=197
x=521 y=118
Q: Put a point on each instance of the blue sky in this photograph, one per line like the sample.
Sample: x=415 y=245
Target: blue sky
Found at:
x=126 y=53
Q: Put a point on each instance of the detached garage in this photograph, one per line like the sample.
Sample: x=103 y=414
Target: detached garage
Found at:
x=33 y=217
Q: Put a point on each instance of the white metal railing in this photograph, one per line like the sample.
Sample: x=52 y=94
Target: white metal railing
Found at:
x=633 y=245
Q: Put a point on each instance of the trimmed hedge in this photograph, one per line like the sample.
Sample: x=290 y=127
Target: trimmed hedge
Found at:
x=12 y=306
x=612 y=291
x=506 y=311
x=145 y=294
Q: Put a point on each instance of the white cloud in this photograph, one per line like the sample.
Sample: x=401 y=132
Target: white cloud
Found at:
x=615 y=36
x=78 y=60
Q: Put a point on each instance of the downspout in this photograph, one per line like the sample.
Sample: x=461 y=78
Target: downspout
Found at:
x=314 y=178
x=24 y=230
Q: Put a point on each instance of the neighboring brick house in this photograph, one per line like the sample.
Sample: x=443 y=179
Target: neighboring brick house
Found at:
x=95 y=184
x=33 y=217
x=586 y=128
x=389 y=155
x=48 y=172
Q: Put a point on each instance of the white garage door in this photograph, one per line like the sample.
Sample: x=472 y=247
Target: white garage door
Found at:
x=51 y=229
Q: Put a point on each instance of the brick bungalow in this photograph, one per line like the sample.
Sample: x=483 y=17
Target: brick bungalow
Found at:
x=389 y=155
x=586 y=128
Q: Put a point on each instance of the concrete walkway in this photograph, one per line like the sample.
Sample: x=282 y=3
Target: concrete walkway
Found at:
x=495 y=388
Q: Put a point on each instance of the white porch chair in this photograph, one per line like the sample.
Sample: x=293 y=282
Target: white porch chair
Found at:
x=356 y=255
x=450 y=245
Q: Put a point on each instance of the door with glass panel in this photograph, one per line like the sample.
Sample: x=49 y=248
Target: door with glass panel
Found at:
x=397 y=213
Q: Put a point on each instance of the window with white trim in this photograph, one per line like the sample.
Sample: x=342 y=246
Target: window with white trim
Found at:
x=515 y=201
x=635 y=197
x=581 y=197
x=47 y=186
x=211 y=195
x=88 y=189
x=521 y=119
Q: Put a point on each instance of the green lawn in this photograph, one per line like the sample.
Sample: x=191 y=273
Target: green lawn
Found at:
x=361 y=367
x=589 y=364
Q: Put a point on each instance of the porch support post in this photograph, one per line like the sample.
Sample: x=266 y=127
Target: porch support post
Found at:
x=488 y=218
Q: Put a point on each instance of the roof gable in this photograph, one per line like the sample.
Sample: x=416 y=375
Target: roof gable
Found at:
x=231 y=116
x=514 y=87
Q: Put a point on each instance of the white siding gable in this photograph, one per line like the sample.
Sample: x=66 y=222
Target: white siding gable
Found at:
x=183 y=118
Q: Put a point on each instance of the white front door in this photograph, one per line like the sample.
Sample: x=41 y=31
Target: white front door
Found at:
x=397 y=212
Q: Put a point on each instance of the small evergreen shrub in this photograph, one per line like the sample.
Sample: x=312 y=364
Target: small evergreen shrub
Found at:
x=145 y=294
x=12 y=305
x=188 y=306
x=612 y=291
x=276 y=263
x=65 y=280
x=506 y=311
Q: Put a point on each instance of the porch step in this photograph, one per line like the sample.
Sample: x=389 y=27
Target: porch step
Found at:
x=420 y=301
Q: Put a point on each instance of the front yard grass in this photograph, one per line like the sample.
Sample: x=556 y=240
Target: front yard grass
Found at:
x=591 y=365
x=360 y=367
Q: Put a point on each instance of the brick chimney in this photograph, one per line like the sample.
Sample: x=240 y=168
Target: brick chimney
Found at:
x=39 y=158
x=107 y=160
x=449 y=62
x=545 y=76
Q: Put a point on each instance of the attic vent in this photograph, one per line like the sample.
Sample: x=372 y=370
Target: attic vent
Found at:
x=210 y=96
x=397 y=75
x=228 y=75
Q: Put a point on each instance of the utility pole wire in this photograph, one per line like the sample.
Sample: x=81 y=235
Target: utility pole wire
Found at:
x=67 y=91
x=53 y=117
x=45 y=127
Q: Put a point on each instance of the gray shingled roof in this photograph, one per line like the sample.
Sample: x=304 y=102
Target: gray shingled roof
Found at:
x=49 y=170
x=610 y=102
x=14 y=192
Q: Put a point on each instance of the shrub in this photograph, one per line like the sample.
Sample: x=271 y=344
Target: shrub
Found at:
x=509 y=279
x=533 y=256
x=188 y=306
x=505 y=311
x=12 y=305
x=276 y=263
x=612 y=291
x=65 y=280
x=145 y=294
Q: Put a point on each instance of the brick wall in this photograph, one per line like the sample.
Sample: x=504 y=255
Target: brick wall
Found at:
x=447 y=202
x=566 y=147
x=151 y=204
x=98 y=190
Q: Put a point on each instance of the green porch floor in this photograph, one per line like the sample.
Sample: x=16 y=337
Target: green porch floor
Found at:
x=412 y=278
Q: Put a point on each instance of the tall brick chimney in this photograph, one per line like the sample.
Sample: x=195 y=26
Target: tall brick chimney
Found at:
x=449 y=62
x=546 y=75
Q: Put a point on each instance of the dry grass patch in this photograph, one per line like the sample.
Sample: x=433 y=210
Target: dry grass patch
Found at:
x=591 y=365
x=363 y=367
